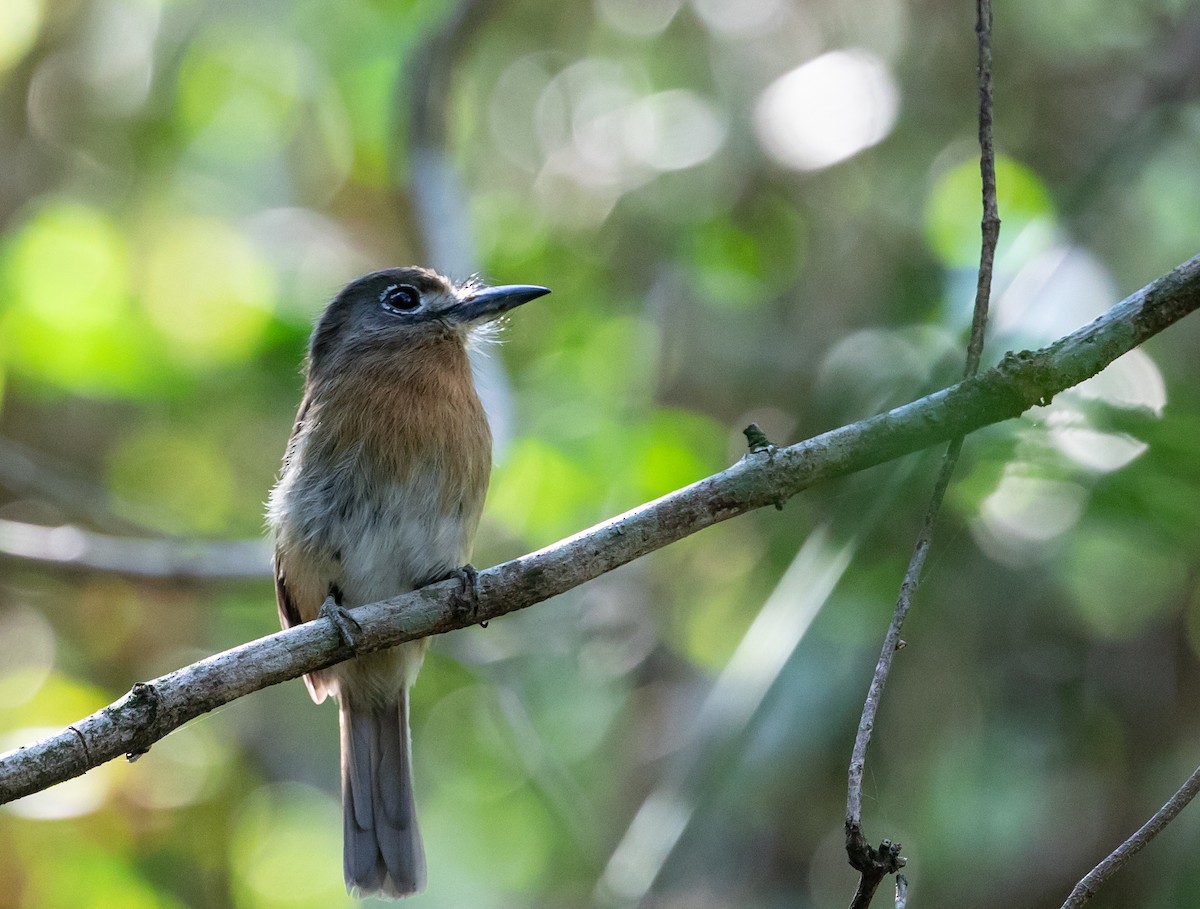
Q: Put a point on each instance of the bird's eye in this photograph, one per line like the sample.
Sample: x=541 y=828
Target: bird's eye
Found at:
x=400 y=298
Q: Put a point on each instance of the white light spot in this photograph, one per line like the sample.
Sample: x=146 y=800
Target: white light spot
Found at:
x=1103 y=452
x=673 y=130
x=601 y=135
x=643 y=18
x=1033 y=508
x=119 y=54
x=744 y=18
x=1054 y=293
x=827 y=110
x=1132 y=380
x=27 y=646
x=1090 y=448
x=1024 y=514
x=513 y=107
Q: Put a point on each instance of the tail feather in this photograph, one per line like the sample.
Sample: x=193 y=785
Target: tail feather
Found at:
x=383 y=851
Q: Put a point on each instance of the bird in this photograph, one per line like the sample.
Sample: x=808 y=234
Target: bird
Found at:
x=381 y=491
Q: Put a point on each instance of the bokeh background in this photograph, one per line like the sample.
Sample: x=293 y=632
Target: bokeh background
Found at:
x=764 y=210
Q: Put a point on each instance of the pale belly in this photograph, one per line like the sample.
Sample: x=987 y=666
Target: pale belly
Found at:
x=367 y=544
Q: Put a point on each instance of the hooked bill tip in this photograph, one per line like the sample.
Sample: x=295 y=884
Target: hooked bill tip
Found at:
x=491 y=302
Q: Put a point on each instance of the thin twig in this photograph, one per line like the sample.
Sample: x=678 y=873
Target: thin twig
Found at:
x=874 y=864
x=990 y=225
x=1087 y=887
x=1019 y=382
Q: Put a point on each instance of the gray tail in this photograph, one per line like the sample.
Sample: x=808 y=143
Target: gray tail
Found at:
x=383 y=852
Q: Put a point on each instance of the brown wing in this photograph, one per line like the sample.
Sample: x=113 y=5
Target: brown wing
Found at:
x=289 y=615
x=298 y=599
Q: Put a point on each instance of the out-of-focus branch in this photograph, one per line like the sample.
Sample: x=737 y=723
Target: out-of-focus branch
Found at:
x=768 y=477
x=440 y=208
x=422 y=101
x=26 y=472
x=1087 y=887
x=722 y=724
x=73 y=547
x=875 y=864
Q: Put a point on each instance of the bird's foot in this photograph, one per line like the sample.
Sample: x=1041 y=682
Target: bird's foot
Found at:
x=467 y=599
x=348 y=628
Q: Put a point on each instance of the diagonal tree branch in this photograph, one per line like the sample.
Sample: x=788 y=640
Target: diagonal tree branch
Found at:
x=1091 y=882
x=1020 y=381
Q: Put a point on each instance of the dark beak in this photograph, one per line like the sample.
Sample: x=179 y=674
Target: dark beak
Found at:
x=492 y=302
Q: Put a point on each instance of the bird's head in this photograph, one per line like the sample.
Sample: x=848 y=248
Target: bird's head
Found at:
x=408 y=309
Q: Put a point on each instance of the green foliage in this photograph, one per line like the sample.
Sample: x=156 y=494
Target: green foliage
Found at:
x=953 y=211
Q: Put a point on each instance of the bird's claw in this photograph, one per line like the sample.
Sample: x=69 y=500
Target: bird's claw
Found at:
x=348 y=628
x=468 y=597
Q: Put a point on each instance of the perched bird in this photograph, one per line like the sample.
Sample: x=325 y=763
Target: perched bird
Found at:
x=381 y=491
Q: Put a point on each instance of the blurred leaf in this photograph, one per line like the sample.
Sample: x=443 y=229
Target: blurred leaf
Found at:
x=187 y=480
x=68 y=318
x=1082 y=28
x=83 y=874
x=953 y=211
x=671 y=449
x=572 y=709
x=27 y=649
x=58 y=700
x=464 y=745
x=744 y=261
x=367 y=90
x=238 y=92
x=189 y=765
x=524 y=493
x=19 y=24
x=207 y=290
x=984 y=792
x=509 y=842
x=285 y=850
x=1118 y=583
x=1168 y=203
x=718 y=593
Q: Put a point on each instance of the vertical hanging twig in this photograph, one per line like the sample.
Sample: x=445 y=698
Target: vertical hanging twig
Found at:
x=987 y=178
x=875 y=864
